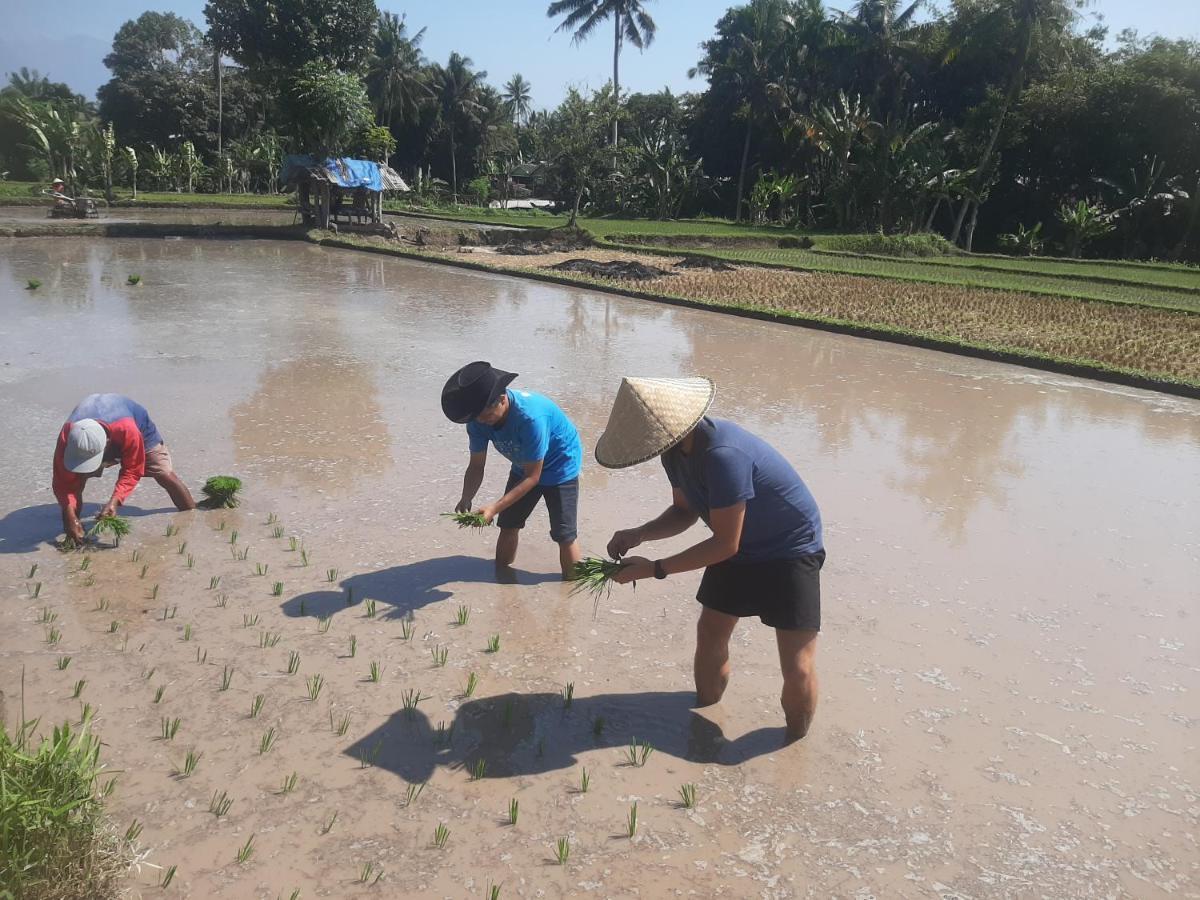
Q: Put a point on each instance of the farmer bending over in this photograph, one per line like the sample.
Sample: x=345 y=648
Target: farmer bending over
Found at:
x=106 y=430
x=765 y=554
x=537 y=438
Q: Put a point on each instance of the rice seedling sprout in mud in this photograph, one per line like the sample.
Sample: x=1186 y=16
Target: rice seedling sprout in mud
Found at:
x=79 y=686
x=267 y=741
x=409 y=700
x=149 y=673
x=441 y=834
x=633 y=819
x=32 y=284
x=598 y=727
x=113 y=626
x=471 y=685
x=114 y=526
x=85 y=714
x=506 y=717
x=86 y=564
x=37 y=589
x=154 y=592
x=102 y=604
x=353 y=646
x=493 y=645
x=303 y=557
x=277 y=531
x=47 y=617
x=289 y=783
x=170 y=727
x=169 y=875
x=190 y=761
x=293 y=544
x=221 y=525
x=261 y=568
x=463 y=615
x=233 y=536
x=135 y=556
x=145 y=568
x=182 y=548
x=220 y=492
x=268 y=639
x=272 y=518
x=444 y=734
x=368 y=869
x=256 y=705
x=32 y=570
x=293 y=662
x=343 y=724
x=331 y=575
x=249 y=621
x=370 y=607
x=53 y=636
x=219 y=804
x=226 y=678
x=585 y=781
x=171 y=531
x=244 y=554
x=158 y=694
x=493 y=891
x=201 y=657
x=407 y=628
x=593 y=576
x=315 y=683
x=191 y=561
x=413 y=792
x=328 y=826
x=214 y=582
x=514 y=809
x=367 y=758
x=63 y=662
x=637 y=752
x=375 y=675
x=562 y=850
x=687 y=795
x=323 y=624
x=187 y=632
x=133 y=832
x=479 y=770
x=568 y=695
x=169 y=612
x=349 y=595
x=303 y=607
x=247 y=850
x=109 y=787
x=440 y=653
x=133 y=280
x=467 y=519
x=222 y=600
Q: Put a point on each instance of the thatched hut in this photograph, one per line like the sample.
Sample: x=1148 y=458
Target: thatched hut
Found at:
x=341 y=189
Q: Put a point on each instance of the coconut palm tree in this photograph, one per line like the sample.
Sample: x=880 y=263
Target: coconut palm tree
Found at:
x=631 y=23
x=396 y=79
x=518 y=99
x=458 y=90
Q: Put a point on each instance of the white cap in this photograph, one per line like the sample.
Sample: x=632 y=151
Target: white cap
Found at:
x=85 y=446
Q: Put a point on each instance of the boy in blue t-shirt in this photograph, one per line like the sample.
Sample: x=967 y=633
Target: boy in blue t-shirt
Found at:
x=532 y=433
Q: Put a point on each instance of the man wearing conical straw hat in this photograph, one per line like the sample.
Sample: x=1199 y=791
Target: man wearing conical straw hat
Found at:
x=765 y=553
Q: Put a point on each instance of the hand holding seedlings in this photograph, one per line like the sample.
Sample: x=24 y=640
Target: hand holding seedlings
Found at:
x=469 y=519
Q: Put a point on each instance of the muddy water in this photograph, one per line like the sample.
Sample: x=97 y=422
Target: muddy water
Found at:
x=1009 y=663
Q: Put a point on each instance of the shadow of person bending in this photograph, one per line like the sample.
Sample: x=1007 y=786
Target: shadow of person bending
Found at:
x=529 y=734
x=25 y=530
x=406 y=589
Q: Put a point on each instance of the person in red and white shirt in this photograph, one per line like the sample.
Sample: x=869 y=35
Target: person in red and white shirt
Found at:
x=102 y=431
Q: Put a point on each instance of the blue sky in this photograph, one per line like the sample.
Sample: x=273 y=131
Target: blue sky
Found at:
x=68 y=38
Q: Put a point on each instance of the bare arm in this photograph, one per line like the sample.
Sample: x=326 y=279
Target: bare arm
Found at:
x=726 y=537
x=533 y=474
x=472 y=480
x=675 y=519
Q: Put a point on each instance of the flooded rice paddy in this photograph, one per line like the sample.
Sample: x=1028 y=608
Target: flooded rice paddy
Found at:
x=1011 y=650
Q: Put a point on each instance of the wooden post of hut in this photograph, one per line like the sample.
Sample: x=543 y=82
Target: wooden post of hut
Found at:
x=323 y=207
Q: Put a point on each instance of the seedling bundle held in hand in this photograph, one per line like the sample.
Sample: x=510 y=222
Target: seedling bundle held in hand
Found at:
x=593 y=575
x=467 y=519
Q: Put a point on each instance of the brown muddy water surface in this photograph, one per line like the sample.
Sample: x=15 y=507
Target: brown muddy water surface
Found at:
x=1009 y=660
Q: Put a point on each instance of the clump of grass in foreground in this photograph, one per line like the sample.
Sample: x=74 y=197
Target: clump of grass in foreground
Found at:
x=467 y=520
x=116 y=526
x=220 y=492
x=56 y=840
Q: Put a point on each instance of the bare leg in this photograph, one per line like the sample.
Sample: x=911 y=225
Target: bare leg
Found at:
x=712 y=655
x=797 y=661
x=506 y=547
x=177 y=490
x=568 y=555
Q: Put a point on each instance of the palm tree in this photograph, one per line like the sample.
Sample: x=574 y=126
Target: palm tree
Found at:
x=458 y=98
x=395 y=75
x=885 y=42
x=631 y=22
x=518 y=99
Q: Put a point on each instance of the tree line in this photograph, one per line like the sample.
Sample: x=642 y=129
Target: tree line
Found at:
x=995 y=123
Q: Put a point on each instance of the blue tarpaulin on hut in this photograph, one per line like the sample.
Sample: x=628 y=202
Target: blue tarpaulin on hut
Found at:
x=344 y=172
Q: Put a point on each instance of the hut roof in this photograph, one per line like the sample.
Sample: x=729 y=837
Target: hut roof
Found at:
x=340 y=172
x=392 y=180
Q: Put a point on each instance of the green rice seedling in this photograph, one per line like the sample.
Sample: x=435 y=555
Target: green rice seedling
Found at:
x=134 y=280
x=303 y=607
x=113 y=626
x=637 y=752
x=632 y=830
x=102 y=604
x=86 y=564
x=441 y=834
x=303 y=557
x=145 y=569
x=187 y=632
x=349 y=595
x=170 y=727
x=37 y=589
x=32 y=284
x=413 y=793
x=440 y=654
x=79 y=686
x=315 y=683
x=277 y=531
x=91 y=580
x=173 y=611
x=370 y=607
x=246 y=851
x=147 y=675
x=201 y=657
x=598 y=727
x=53 y=636
x=222 y=600
x=343 y=724
x=562 y=850
x=594 y=576
x=295 y=895
x=249 y=621
x=226 y=678
x=85 y=714
x=135 y=556
x=47 y=616
x=125 y=643
x=221 y=525
x=471 y=685
x=514 y=809
x=219 y=804
x=233 y=536
x=63 y=662
x=183 y=548
x=407 y=628
x=256 y=705
x=293 y=662
x=331 y=575
x=277 y=589
x=114 y=526
x=109 y=787
x=220 y=492
x=368 y=869
x=190 y=760
x=444 y=734
x=158 y=694
x=479 y=770
x=214 y=582
x=353 y=646
x=32 y=570
x=585 y=781
x=375 y=675
x=268 y=639
x=467 y=519
x=462 y=616
x=272 y=518
x=267 y=741
x=568 y=695
x=367 y=758
x=493 y=645
x=293 y=544
x=493 y=891
x=154 y=592
x=409 y=700
x=687 y=795
x=328 y=826
x=169 y=875
x=244 y=554
x=289 y=783
x=133 y=832
x=171 y=531
x=191 y=561
x=261 y=568
x=323 y=624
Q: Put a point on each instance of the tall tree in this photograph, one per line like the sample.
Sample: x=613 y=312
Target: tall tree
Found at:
x=631 y=23
x=518 y=99
x=458 y=90
x=396 y=77
x=279 y=36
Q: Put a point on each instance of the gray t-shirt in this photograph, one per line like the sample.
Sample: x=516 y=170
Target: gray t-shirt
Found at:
x=729 y=465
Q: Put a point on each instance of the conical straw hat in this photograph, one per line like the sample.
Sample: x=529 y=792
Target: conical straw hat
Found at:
x=650 y=416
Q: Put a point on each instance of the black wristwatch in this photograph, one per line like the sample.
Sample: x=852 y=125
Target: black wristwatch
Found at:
x=659 y=572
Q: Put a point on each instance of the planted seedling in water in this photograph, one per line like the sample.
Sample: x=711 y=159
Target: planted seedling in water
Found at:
x=315 y=683
x=191 y=561
x=637 y=752
x=257 y=705
x=249 y=621
x=190 y=761
x=267 y=741
x=220 y=492
x=183 y=548
x=409 y=700
x=585 y=781
x=293 y=544
x=201 y=657
x=187 y=632
x=272 y=518
x=79 y=686
x=135 y=556
x=406 y=630
x=303 y=557
x=32 y=284
x=170 y=727
x=145 y=569
x=86 y=564
x=598 y=727
x=441 y=834
x=32 y=570
x=633 y=820
x=440 y=654
x=277 y=531
x=222 y=600
x=214 y=582
x=289 y=783
x=221 y=525
x=47 y=617
x=243 y=555
x=343 y=724
x=63 y=662
x=467 y=519
x=493 y=891
x=323 y=624
x=328 y=826
x=226 y=678
x=444 y=735
x=463 y=615
x=493 y=644
x=413 y=792
x=247 y=850
x=514 y=807
x=169 y=612
x=169 y=875
x=472 y=683
x=102 y=604
x=562 y=850
x=331 y=575
x=370 y=606
x=353 y=646
x=568 y=695
x=687 y=795
x=293 y=662
x=158 y=694
x=479 y=770
x=219 y=804
x=133 y=832
x=233 y=536
x=171 y=531
x=53 y=636
x=115 y=526
x=154 y=592
x=376 y=673
x=261 y=568
x=268 y=639
x=37 y=589
x=367 y=871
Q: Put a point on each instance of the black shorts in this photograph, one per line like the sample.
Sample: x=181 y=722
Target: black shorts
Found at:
x=562 y=502
x=784 y=593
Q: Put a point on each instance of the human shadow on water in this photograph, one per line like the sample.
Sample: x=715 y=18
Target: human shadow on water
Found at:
x=401 y=590
x=529 y=734
x=25 y=530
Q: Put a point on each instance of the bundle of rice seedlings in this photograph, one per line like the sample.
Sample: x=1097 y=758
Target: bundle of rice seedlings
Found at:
x=117 y=526
x=221 y=491
x=593 y=575
x=467 y=519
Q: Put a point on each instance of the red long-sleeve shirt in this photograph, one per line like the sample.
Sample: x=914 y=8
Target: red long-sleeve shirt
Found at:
x=126 y=439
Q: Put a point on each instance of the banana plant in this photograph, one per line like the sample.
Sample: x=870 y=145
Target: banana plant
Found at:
x=1084 y=222
x=131 y=163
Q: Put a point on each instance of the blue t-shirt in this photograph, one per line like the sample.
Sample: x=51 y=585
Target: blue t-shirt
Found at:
x=111 y=407
x=728 y=465
x=534 y=429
